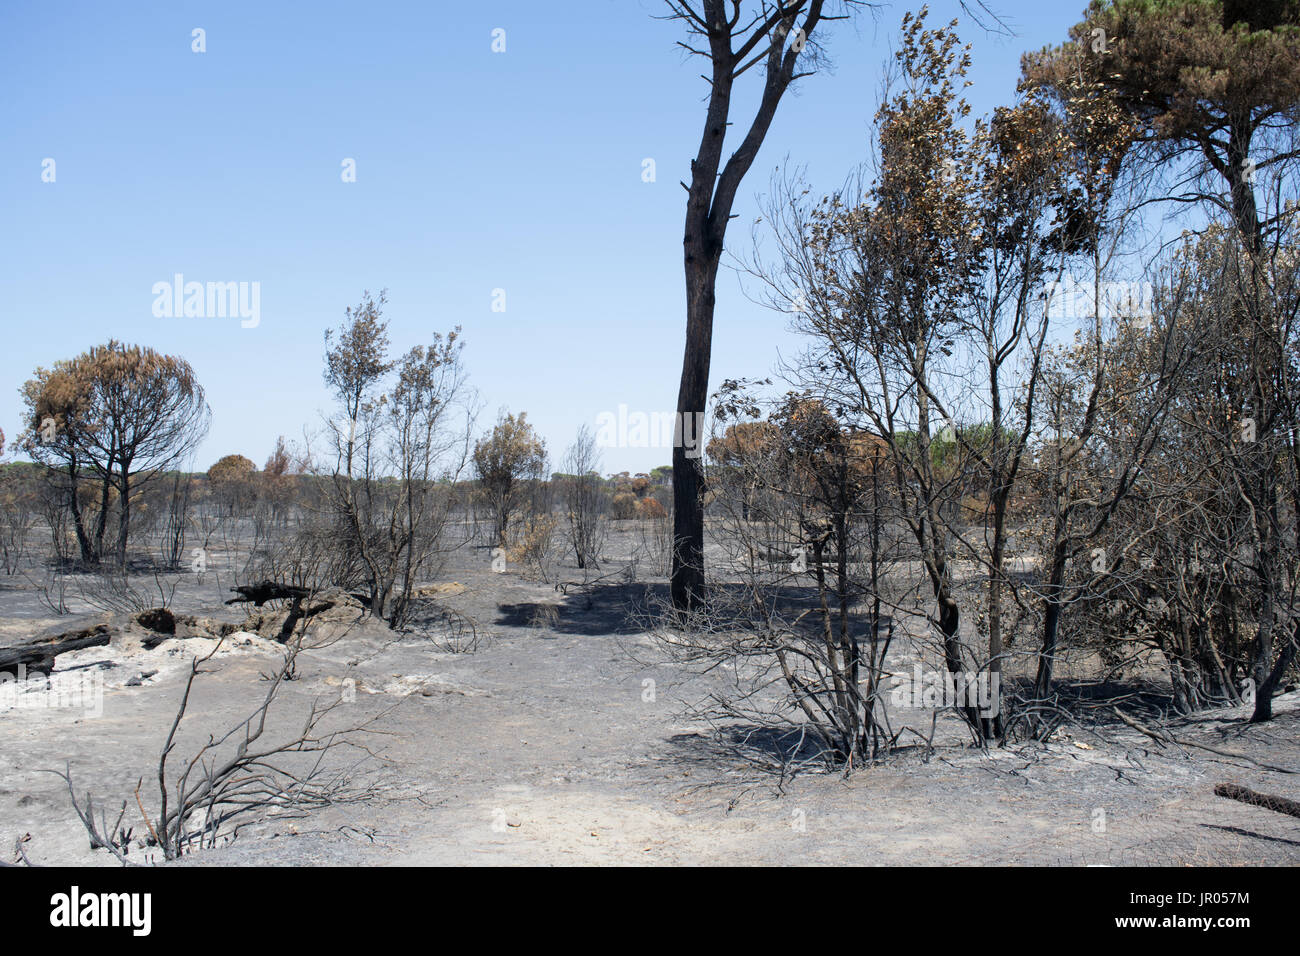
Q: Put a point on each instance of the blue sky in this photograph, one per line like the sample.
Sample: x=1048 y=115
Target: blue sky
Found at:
x=475 y=171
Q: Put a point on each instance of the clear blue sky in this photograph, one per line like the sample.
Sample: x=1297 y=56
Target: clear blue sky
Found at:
x=475 y=171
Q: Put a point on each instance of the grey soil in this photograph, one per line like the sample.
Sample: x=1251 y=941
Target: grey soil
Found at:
x=544 y=747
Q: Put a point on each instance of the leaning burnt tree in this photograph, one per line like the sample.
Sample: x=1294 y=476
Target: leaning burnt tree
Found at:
x=734 y=37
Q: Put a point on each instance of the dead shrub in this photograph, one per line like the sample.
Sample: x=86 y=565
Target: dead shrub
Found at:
x=533 y=544
x=624 y=506
x=651 y=508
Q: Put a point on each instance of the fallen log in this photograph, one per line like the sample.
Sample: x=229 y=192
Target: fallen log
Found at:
x=38 y=653
x=1268 y=801
x=259 y=594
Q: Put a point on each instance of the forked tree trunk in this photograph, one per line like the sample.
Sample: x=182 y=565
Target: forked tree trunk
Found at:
x=687 y=585
x=87 y=547
x=123 y=517
x=710 y=196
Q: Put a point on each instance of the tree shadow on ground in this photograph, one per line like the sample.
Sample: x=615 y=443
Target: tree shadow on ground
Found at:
x=784 y=751
x=632 y=608
x=1250 y=833
x=593 y=611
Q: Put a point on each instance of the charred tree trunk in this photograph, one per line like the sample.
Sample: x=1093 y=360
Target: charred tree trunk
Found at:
x=101 y=520
x=711 y=194
x=88 y=554
x=1245 y=210
x=123 y=517
x=1052 y=601
x=992 y=725
x=688 y=467
x=1268 y=686
x=1268 y=801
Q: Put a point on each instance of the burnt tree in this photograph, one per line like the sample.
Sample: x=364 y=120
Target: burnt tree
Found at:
x=733 y=37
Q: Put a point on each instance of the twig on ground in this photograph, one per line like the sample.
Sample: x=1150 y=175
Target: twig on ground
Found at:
x=1165 y=737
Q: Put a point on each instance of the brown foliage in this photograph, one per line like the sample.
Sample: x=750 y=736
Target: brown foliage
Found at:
x=120 y=414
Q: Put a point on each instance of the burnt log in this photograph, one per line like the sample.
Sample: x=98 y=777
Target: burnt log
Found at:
x=1234 y=791
x=38 y=653
x=259 y=594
